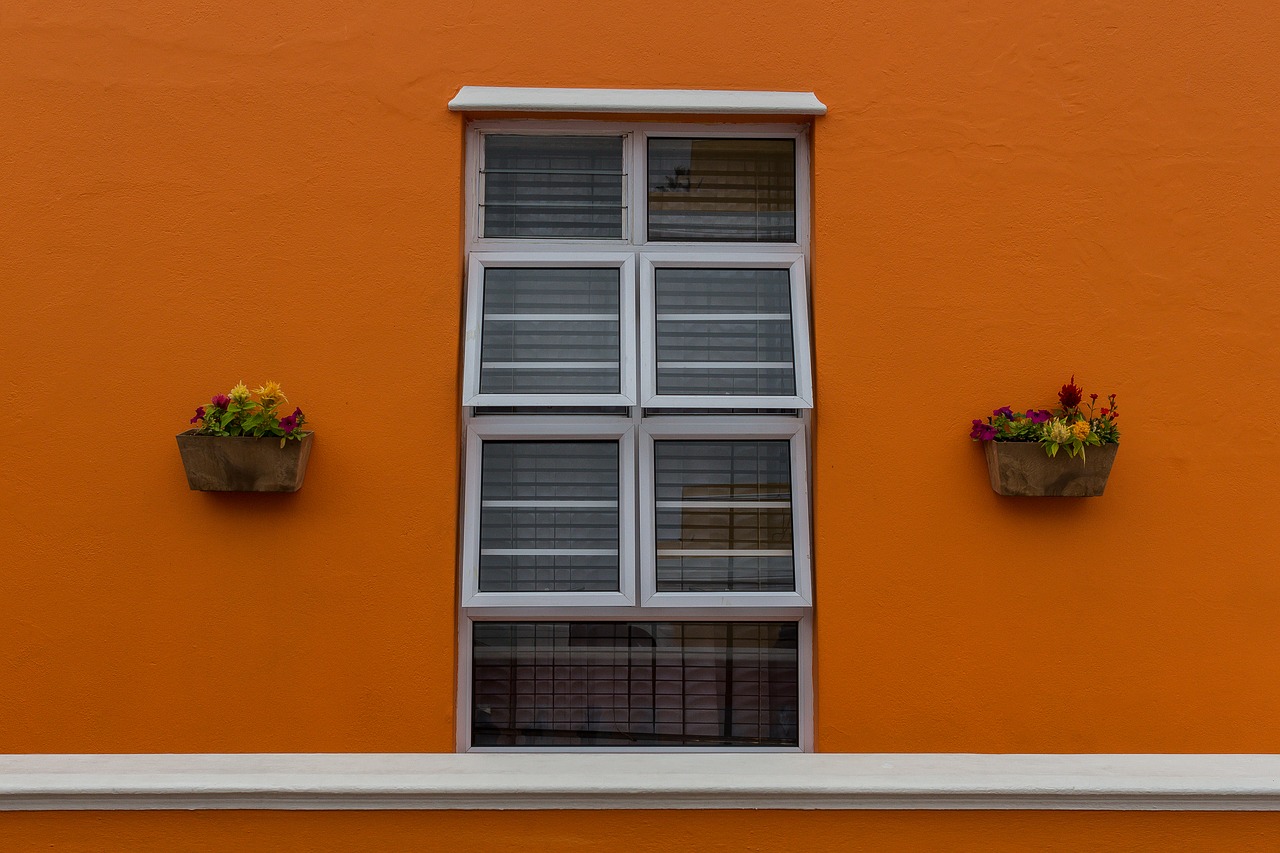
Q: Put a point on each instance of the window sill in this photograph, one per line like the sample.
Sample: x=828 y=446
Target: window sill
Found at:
x=660 y=781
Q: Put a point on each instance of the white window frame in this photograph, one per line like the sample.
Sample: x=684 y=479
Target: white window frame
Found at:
x=549 y=429
x=636 y=600
x=650 y=262
x=473 y=331
x=791 y=430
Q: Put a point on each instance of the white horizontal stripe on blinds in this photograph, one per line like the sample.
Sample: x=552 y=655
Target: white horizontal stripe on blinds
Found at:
x=557 y=552
x=727 y=365
x=548 y=365
x=593 y=318
x=716 y=318
x=742 y=504
x=725 y=552
x=538 y=504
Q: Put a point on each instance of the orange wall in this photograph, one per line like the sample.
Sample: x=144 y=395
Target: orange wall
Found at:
x=640 y=832
x=1006 y=193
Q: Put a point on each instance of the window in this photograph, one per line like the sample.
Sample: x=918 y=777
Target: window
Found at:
x=635 y=567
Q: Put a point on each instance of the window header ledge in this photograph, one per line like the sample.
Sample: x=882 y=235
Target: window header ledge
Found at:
x=653 y=781
x=491 y=99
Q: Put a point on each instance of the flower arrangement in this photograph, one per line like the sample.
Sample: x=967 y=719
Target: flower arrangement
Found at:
x=1068 y=427
x=237 y=413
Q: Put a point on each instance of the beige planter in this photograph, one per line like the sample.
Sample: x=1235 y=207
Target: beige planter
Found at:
x=1023 y=468
x=242 y=464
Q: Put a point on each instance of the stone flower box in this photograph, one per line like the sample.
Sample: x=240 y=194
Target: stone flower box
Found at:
x=243 y=464
x=1024 y=469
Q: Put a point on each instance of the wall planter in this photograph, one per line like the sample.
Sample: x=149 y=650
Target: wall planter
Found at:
x=1023 y=468
x=244 y=464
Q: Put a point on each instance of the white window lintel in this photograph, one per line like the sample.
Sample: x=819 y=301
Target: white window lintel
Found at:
x=498 y=99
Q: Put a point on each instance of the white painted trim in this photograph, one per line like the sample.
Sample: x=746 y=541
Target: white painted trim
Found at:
x=764 y=780
x=496 y=99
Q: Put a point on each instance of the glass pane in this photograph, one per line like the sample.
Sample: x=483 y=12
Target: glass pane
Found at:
x=724 y=332
x=723 y=516
x=549 y=516
x=725 y=190
x=553 y=186
x=657 y=684
x=550 y=331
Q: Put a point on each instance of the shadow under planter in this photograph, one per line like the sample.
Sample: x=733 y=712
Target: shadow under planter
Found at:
x=243 y=464
x=1024 y=469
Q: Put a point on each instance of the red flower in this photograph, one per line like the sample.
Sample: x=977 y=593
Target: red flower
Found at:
x=1070 y=395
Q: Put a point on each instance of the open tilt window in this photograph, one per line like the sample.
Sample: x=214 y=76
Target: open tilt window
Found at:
x=635 y=568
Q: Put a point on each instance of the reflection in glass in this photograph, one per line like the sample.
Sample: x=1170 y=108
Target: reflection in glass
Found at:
x=550 y=331
x=723 y=516
x=724 y=332
x=635 y=684
x=549 y=516
x=553 y=186
x=727 y=190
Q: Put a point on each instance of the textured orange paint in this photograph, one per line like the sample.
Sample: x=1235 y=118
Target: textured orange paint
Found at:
x=194 y=194
x=640 y=832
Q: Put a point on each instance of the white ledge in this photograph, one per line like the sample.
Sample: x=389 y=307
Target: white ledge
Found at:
x=499 y=99
x=640 y=781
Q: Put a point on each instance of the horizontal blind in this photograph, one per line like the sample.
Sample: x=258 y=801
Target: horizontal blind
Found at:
x=723 y=516
x=553 y=186
x=636 y=684
x=724 y=332
x=550 y=331
x=549 y=516
x=725 y=190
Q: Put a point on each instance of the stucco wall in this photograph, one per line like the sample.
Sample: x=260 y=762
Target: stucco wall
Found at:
x=1006 y=193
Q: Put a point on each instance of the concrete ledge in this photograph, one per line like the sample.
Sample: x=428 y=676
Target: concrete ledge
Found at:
x=640 y=781
x=496 y=99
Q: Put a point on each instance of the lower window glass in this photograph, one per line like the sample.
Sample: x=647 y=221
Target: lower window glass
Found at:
x=635 y=684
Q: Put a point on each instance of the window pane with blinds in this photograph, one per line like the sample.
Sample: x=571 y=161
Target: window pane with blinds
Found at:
x=553 y=186
x=724 y=332
x=635 y=684
x=549 y=516
x=550 y=331
x=727 y=190
x=723 y=516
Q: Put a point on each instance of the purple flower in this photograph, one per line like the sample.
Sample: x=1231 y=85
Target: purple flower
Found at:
x=1039 y=417
x=981 y=431
x=1003 y=410
x=222 y=401
x=199 y=415
x=289 y=423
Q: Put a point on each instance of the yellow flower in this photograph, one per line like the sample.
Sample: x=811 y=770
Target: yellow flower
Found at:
x=240 y=393
x=1081 y=430
x=1059 y=432
x=270 y=393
